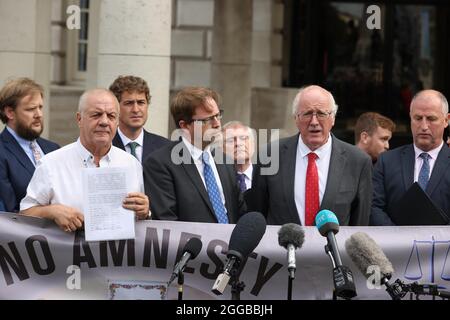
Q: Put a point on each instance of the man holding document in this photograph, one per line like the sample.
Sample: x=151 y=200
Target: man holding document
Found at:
x=89 y=173
x=426 y=161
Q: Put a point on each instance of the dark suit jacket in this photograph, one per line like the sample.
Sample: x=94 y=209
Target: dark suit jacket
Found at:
x=348 y=191
x=393 y=176
x=152 y=142
x=16 y=169
x=177 y=192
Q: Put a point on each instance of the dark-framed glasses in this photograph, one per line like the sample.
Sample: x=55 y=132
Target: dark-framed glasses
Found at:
x=210 y=119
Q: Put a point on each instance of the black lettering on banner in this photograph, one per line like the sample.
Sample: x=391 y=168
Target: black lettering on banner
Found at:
x=161 y=253
x=117 y=253
x=184 y=238
x=77 y=257
x=262 y=277
x=16 y=264
x=210 y=251
x=42 y=241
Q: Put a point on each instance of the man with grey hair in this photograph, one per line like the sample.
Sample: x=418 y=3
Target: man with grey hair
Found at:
x=239 y=145
x=316 y=170
x=426 y=161
x=55 y=190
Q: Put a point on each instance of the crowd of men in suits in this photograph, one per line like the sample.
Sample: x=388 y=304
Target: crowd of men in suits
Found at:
x=215 y=173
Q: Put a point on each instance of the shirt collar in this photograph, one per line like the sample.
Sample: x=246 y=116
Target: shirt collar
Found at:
x=23 y=142
x=87 y=157
x=320 y=152
x=195 y=152
x=433 y=153
x=248 y=172
x=126 y=140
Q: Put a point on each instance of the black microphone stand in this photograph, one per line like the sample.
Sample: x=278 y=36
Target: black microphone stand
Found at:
x=180 y=285
x=290 y=279
x=328 y=252
x=236 y=285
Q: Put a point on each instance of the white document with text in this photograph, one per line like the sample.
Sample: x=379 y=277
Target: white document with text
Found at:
x=104 y=190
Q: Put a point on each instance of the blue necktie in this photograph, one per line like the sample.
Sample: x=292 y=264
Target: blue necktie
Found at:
x=133 y=145
x=213 y=190
x=241 y=182
x=424 y=173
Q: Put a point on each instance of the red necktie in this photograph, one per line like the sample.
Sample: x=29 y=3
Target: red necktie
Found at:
x=311 y=190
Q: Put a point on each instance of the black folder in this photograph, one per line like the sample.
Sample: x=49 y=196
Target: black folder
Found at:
x=416 y=208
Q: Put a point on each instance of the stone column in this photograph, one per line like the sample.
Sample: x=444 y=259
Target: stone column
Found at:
x=231 y=57
x=133 y=38
x=25 y=44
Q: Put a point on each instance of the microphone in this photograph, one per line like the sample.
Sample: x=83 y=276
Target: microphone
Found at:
x=365 y=252
x=291 y=236
x=190 y=251
x=328 y=225
x=245 y=237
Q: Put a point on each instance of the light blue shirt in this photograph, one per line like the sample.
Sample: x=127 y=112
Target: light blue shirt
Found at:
x=25 y=145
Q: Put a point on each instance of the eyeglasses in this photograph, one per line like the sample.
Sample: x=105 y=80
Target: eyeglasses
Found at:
x=209 y=119
x=231 y=140
x=321 y=115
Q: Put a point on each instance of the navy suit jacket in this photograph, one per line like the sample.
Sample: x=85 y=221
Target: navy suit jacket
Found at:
x=176 y=190
x=16 y=169
x=393 y=176
x=152 y=142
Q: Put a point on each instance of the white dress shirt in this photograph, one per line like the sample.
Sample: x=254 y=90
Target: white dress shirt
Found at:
x=248 y=174
x=196 y=155
x=58 y=176
x=419 y=161
x=301 y=164
x=139 y=140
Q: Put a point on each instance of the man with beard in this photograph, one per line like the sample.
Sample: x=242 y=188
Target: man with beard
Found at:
x=21 y=104
x=185 y=179
x=134 y=97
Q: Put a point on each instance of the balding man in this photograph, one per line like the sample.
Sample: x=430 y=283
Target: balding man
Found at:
x=316 y=170
x=426 y=161
x=55 y=190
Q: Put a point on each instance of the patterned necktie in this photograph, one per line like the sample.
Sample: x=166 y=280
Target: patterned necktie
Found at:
x=35 y=150
x=213 y=190
x=311 y=190
x=133 y=145
x=424 y=173
x=241 y=182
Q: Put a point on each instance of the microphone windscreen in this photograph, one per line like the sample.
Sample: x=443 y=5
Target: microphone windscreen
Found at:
x=365 y=252
x=326 y=221
x=247 y=233
x=291 y=233
x=193 y=246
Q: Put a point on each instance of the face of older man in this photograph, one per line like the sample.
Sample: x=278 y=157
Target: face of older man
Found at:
x=427 y=120
x=98 y=120
x=238 y=144
x=314 y=117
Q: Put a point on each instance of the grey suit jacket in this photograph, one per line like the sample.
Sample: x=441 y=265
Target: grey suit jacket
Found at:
x=348 y=191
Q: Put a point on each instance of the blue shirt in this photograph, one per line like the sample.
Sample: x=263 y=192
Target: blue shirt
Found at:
x=25 y=145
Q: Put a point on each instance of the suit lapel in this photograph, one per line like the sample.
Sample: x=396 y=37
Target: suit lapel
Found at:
x=16 y=150
x=338 y=161
x=194 y=176
x=226 y=186
x=117 y=141
x=287 y=160
x=148 y=146
x=44 y=146
x=440 y=168
x=407 y=162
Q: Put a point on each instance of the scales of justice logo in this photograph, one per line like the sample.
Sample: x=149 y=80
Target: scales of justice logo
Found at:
x=429 y=261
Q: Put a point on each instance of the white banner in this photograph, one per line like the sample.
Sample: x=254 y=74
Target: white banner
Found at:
x=40 y=261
